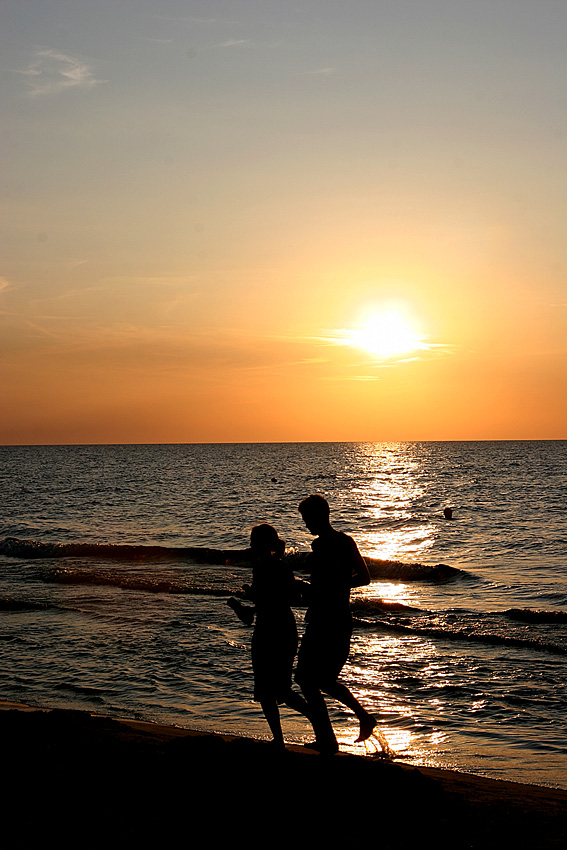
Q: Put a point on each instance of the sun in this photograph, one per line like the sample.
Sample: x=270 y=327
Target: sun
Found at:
x=385 y=334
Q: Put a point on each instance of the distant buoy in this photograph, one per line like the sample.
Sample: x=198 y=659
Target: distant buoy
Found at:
x=448 y=513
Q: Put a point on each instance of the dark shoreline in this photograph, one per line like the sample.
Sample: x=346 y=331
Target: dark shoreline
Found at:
x=86 y=781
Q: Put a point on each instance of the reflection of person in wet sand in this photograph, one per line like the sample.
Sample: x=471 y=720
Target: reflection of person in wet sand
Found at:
x=337 y=566
x=274 y=642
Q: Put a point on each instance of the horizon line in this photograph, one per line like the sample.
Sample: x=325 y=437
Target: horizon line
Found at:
x=288 y=442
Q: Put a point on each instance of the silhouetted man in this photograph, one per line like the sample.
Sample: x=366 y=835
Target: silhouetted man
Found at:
x=337 y=566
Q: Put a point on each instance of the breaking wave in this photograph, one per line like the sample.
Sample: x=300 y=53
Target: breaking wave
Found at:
x=12 y=547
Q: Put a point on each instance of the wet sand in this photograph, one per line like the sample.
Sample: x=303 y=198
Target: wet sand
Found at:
x=79 y=780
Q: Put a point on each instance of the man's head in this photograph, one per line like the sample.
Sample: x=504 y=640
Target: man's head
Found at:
x=315 y=512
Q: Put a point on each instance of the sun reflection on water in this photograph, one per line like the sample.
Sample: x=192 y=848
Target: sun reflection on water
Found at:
x=401 y=544
x=391 y=676
x=401 y=679
x=388 y=591
x=390 y=496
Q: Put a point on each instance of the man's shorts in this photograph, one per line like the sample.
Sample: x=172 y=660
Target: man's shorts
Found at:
x=323 y=652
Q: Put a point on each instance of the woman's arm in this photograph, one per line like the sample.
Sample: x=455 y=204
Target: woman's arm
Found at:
x=245 y=613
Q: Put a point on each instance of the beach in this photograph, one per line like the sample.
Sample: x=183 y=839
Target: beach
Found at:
x=117 y=563
x=79 y=779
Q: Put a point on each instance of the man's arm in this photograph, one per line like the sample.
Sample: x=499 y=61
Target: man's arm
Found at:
x=301 y=592
x=360 y=574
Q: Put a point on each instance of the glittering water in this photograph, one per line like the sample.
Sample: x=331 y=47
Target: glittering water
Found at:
x=464 y=667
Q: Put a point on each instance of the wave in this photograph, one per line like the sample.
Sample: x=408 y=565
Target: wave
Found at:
x=92 y=694
x=148 y=584
x=532 y=615
x=380 y=569
x=463 y=634
x=9 y=604
x=412 y=572
x=367 y=607
x=12 y=547
x=390 y=616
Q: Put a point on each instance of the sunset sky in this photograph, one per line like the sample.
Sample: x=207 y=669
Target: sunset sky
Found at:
x=254 y=220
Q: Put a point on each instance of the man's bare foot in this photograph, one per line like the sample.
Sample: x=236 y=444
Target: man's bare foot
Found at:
x=367 y=727
x=329 y=748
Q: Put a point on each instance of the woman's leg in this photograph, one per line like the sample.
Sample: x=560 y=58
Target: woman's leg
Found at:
x=296 y=701
x=272 y=715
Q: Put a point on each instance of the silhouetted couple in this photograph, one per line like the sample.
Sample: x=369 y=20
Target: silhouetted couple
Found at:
x=337 y=566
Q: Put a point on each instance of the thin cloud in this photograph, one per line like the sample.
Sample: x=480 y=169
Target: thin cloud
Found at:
x=155 y=40
x=234 y=42
x=324 y=72
x=51 y=73
x=190 y=19
x=6 y=285
x=360 y=378
x=343 y=337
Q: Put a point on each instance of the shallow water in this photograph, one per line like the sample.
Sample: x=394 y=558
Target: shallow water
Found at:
x=464 y=668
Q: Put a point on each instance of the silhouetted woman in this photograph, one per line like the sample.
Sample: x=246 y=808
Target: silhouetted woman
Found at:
x=275 y=640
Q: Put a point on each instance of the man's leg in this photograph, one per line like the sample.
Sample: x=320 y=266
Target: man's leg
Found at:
x=341 y=693
x=325 y=737
x=308 y=663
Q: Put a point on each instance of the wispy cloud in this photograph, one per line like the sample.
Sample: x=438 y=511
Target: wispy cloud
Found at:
x=323 y=72
x=234 y=42
x=190 y=19
x=4 y=284
x=50 y=73
x=153 y=40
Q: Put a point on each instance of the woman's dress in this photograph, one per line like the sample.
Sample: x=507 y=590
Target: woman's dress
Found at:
x=275 y=640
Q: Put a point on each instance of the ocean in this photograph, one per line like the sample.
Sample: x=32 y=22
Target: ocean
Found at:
x=116 y=563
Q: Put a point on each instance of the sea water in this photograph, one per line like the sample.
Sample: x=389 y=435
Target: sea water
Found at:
x=116 y=563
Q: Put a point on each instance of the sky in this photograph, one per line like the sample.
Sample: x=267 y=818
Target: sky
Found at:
x=259 y=221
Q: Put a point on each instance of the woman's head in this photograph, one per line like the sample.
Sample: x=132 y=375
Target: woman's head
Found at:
x=264 y=541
